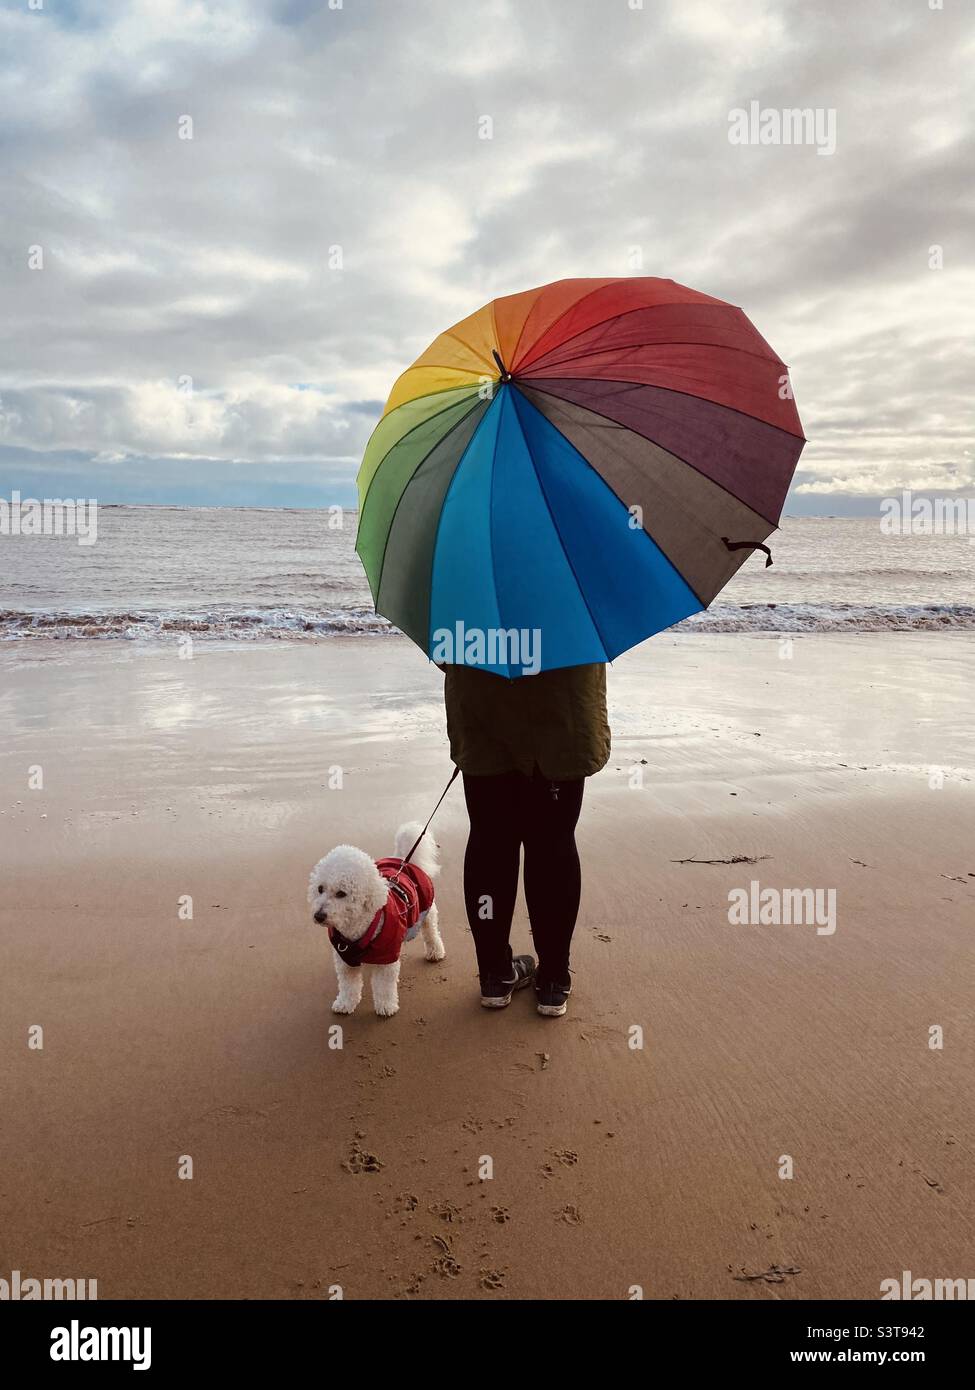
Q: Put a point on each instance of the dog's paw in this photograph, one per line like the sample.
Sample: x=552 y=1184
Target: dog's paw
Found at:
x=343 y=1006
x=387 y=1010
x=435 y=952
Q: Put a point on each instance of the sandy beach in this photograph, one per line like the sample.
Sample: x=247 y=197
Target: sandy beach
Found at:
x=843 y=763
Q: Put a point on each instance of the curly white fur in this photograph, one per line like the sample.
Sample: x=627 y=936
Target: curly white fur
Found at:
x=345 y=891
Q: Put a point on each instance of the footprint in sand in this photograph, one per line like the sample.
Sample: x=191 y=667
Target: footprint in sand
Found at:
x=359 y=1161
x=492 y=1279
x=445 y=1210
x=775 y=1274
x=500 y=1215
x=570 y=1214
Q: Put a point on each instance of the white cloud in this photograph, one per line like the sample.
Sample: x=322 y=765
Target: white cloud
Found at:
x=313 y=127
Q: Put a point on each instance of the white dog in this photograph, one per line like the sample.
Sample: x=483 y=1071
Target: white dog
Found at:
x=370 y=908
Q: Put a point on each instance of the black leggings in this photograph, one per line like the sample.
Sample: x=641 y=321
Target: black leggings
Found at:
x=506 y=812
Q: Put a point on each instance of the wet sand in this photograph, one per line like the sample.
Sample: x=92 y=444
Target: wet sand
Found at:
x=845 y=765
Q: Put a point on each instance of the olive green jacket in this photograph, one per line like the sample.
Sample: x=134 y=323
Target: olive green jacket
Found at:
x=555 y=720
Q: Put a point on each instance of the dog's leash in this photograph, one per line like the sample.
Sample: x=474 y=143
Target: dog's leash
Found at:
x=450 y=782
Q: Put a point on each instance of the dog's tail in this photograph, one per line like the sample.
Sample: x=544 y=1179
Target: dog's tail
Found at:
x=425 y=855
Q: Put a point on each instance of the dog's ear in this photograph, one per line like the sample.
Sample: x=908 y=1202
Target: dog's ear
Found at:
x=313 y=879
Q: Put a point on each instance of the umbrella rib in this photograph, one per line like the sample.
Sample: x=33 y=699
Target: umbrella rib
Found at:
x=494 y=327
x=649 y=535
x=652 y=539
x=615 y=280
x=469 y=346
x=538 y=291
x=555 y=524
x=677 y=342
x=433 y=548
x=494 y=457
x=674 y=391
x=610 y=280
x=616 y=425
x=412 y=430
x=456 y=425
x=419 y=366
x=641 y=309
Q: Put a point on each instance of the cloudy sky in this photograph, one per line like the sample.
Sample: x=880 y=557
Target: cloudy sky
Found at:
x=209 y=262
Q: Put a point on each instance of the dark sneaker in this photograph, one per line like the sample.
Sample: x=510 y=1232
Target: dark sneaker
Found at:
x=496 y=992
x=552 y=997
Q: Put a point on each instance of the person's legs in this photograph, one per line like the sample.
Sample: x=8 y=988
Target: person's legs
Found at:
x=491 y=866
x=553 y=879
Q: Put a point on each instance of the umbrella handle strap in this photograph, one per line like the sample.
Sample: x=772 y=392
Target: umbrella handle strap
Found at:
x=749 y=545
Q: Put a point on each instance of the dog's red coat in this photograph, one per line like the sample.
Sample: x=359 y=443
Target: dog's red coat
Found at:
x=413 y=895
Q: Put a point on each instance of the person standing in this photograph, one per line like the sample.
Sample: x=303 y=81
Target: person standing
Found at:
x=525 y=747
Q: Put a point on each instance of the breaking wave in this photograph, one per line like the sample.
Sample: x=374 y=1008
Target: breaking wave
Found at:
x=277 y=624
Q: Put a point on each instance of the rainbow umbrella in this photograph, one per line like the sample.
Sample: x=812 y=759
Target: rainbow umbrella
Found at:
x=590 y=461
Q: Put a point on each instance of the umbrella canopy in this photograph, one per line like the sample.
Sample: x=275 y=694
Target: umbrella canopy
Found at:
x=590 y=461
